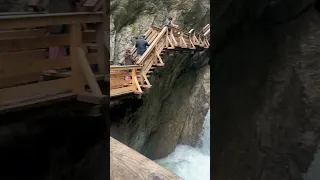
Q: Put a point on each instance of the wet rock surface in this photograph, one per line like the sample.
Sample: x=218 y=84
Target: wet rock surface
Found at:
x=267 y=100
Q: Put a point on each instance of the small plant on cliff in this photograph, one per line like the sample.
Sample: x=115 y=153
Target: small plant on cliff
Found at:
x=133 y=28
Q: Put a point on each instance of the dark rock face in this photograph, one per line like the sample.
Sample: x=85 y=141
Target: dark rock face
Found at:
x=266 y=95
x=173 y=110
x=55 y=147
x=12 y=5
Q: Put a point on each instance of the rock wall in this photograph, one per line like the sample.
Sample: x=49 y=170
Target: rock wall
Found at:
x=266 y=95
x=12 y=5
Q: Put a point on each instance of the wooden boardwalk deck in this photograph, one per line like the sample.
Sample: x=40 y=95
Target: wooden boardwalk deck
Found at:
x=127 y=164
x=27 y=73
x=133 y=79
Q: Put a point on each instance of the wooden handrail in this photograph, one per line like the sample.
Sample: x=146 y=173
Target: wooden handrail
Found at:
x=36 y=20
x=120 y=85
x=153 y=45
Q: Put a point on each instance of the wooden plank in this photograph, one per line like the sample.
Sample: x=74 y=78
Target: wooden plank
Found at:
x=128 y=67
x=125 y=163
x=99 y=6
x=29 y=43
x=102 y=54
x=11 y=34
x=118 y=82
x=30 y=66
x=19 y=80
x=36 y=102
x=121 y=91
x=24 y=55
x=33 y=2
x=77 y=74
x=90 y=77
x=90 y=3
x=37 y=20
x=26 y=92
x=135 y=83
x=33 y=43
x=90 y=98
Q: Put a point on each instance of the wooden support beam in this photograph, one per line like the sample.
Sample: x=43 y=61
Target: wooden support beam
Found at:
x=11 y=34
x=102 y=54
x=146 y=79
x=174 y=40
x=77 y=73
x=159 y=58
x=29 y=43
x=90 y=3
x=125 y=163
x=92 y=99
x=26 y=92
x=135 y=83
x=90 y=77
x=35 y=66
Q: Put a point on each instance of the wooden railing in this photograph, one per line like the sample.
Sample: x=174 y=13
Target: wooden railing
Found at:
x=124 y=80
x=166 y=39
x=24 y=57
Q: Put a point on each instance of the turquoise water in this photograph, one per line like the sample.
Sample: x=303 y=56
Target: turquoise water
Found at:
x=191 y=163
x=314 y=170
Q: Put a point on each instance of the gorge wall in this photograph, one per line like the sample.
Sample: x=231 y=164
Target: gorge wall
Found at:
x=266 y=98
x=174 y=108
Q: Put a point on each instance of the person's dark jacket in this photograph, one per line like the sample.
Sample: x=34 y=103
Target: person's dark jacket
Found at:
x=128 y=60
x=141 y=45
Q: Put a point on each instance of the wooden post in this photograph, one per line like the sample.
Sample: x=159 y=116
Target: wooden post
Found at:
x=90 y=77
x=167 y=36
x=142 y=77
x=102 y=57
x=77 y=74
x=133 y=74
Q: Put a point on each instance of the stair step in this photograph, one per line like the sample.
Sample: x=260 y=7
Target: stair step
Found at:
x=159 y=65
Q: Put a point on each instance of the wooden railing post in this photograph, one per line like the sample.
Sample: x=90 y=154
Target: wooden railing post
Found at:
x=76 y=73
x=135 y=84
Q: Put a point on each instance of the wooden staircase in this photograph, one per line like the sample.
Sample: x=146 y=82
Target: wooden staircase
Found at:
x=161 y=42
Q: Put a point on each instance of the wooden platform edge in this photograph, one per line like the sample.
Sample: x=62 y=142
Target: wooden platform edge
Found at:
x=127 y=164
x=92 y=99
x=37 y=102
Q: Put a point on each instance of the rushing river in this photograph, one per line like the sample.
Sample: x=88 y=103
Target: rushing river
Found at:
x=191 y=163
x=314 y=170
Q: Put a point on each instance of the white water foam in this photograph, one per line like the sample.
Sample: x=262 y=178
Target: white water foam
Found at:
x=191 y=163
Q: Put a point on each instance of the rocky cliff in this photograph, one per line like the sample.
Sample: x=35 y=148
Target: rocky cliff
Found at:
x=266 y=90
x=130 y=18
x=174 y=108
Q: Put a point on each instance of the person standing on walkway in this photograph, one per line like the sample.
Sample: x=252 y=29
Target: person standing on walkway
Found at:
x=141 y=45
x=128 y=58
x=171 y=22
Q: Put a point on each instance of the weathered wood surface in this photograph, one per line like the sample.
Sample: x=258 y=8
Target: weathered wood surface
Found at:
x=26 y=51
x=127 y=164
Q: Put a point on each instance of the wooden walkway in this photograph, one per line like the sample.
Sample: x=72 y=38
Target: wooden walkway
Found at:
x=127 y=164
x=133 y=79
x=28 y=76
